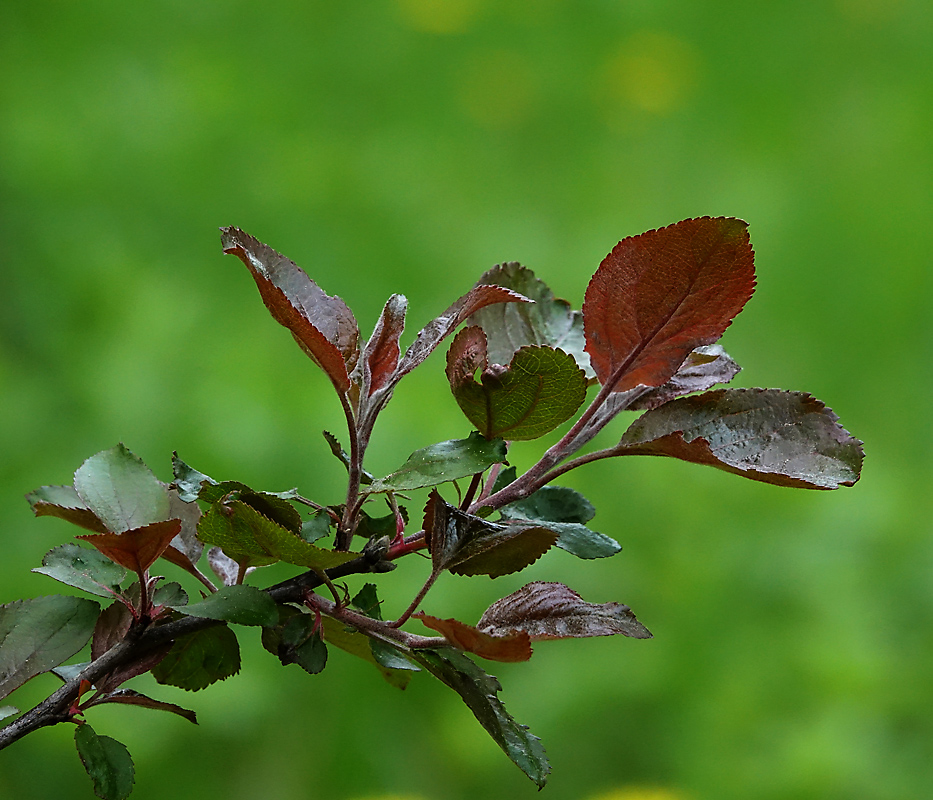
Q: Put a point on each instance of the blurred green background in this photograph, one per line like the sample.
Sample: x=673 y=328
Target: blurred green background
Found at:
x=408 y=146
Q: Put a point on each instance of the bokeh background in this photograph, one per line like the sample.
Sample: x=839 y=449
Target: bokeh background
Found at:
x=408 y=145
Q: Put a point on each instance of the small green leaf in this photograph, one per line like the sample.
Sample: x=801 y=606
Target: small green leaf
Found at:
x=244 y=605
x=63 y=502
x=316 y=528
x=170 y=595
x=200 y=659
x=480 y=692
x=188 y=481
x=107 y=762
x=367 y=601
x=275 y=506
x=366 y=478
x=390 y=657
x=301 y=643
x=445 y=461
x=40 y=634
x=84 y=569
x=540 y=389
x=121 y=490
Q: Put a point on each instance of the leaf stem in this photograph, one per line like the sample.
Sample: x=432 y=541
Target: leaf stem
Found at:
x=471 y=491
x=416 y=602
x=355 y=471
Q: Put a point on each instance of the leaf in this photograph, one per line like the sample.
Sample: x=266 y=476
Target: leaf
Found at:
x=244 y=605
x=390 y=657
x=480 y=692
x=170 y=595
x=250 y=538
x=704 y=368
x=540 y=389
x=369 y=527
x=357 y=644
x=130 y=698
x=442 y=462
x=469 y=545
x=188 y=481
x=225 y=567
x=381 y=353
x=323 y=326
x=555 y=611
x=300 y=643
x=121 y=490
x=63 y=502
x=200 y=659
x=186 y=543
x=316 y=528
x=784 y=438
x=136 y=549
x=8 y=711
x=38 y=635
x=112 y=626
x=438 y=329
x=547 y=321
x=507 y=647
x=84 y=569
x=365 y=477
x=367 y=601
x=108 y=763
x=659 y=295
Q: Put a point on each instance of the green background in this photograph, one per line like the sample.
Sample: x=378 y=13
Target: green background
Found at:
x=408 y=146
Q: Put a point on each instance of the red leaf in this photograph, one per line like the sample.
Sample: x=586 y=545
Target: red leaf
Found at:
x=323 y=326
x=659 y=295
x=510 y=647
x=380 y=356
x=555 y=611
x=137 y=549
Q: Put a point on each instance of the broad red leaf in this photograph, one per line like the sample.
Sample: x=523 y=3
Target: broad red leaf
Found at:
x=438 y=329
x=381 y=353
x=784 y=438
x=323 y=326
x=137 y=549
x=513 y=646
x=659 y=295
x=555 y=611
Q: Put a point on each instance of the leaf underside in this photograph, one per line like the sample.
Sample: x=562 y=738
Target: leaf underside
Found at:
x=107 y=761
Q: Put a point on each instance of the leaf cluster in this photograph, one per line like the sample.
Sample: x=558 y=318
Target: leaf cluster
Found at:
x=523 y=364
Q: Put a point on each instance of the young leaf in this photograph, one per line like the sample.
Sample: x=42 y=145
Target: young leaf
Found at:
x=367 y=601
x=63 y=502
x=316 y=528
x=108 y=763
x=38 y=635
x=469 y=545
x=365 y=477
x=170 y=595
x=225 y=567
x=136 y=549
x=659 y=295
x=480 y=692
x=507 y=647
x=381 y=353
x=121 y=490
x=250 y=538
x=188 y=481
x=540 y=388
x=555 y=611
x=200 y=659
x=438 y=329
x=323 y=326
x=300 y=643
x=547 y=321
x=357 y=644
x=445 y=461
x=703 y=369
x=130 y=698
x=88 y=570
x=784 y=438
x=244 y=605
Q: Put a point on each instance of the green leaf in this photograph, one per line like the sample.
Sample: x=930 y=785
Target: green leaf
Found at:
x=357 y=644
x=300 y=643
x=200 y=659
x=63 y=502
x=784 y=438
x=390 y=657
x=548 y=321
x=121 y=490
x=563 y=510
x=84 y=569
x=316 y=528
x=170 y=595
x=38 y=635
x=275 y=506
x=107 y=762
x=367 y=601
x=481 y=694
x=188 y=481
x=249 y=537
x=442 y=462
x=244 y=605
x=540 y=389
x=370 y=527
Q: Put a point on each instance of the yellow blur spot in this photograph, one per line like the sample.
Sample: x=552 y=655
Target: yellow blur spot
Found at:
x=653 y=71
x=439 y=16
x=640 y=793
x=498 y=90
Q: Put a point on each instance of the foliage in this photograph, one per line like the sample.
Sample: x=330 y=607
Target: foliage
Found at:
x=521 y=367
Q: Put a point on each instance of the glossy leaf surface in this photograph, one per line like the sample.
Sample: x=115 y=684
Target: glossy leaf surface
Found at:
x=659 y=295
x=554 y=611
x=784 y=438
x=300 y=643
x=540 y=388
x=89 y=570
x=381 y=353
x=39 y=634
x=323 y=326
x=107 y=761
